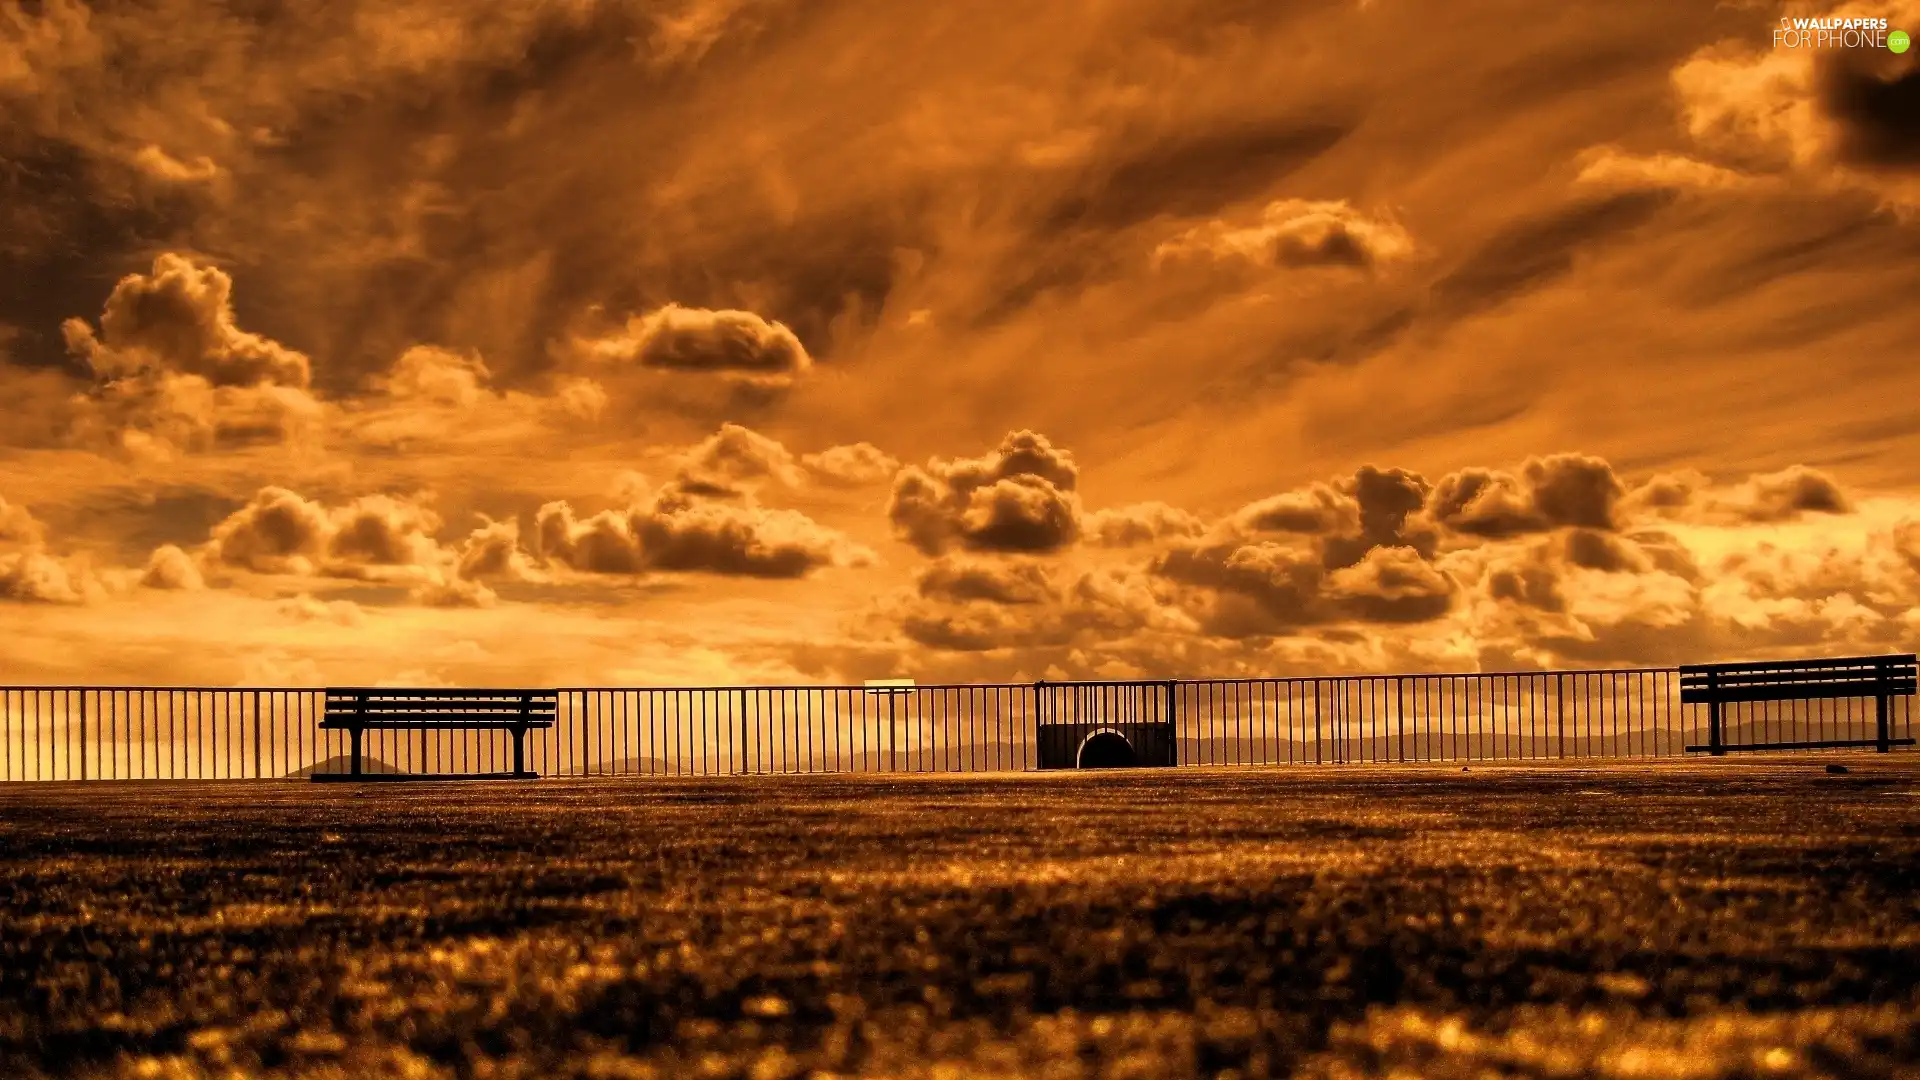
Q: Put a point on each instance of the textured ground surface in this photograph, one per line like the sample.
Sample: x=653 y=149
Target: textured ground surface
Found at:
x=1679 y=920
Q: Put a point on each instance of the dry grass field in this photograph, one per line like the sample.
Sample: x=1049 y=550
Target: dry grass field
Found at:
x=1688 y=919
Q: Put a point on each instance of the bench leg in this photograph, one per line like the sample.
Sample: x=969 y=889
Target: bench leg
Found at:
x=1713 y=731
x=356 y=751
x=1882 y=736
x=519 y=751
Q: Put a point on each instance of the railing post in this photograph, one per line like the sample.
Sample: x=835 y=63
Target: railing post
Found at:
x=1882 y=729
x=1173 y=721
x=740 y=715
x=258 y=771
x=1560 y=715
x=1715 y=746
x=83 y=734
x=1400 y=716
x=1318 y=738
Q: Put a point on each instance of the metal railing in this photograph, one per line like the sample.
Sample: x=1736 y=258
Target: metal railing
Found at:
x=192 y=733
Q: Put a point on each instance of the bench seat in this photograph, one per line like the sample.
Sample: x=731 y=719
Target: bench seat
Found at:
x=358 y=709
x=1879 y=677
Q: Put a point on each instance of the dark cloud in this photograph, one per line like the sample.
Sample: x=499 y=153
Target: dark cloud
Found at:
x=994 y=581
x=1390 y=585
x=1539 y=248
x=1877 y=110
x=1195 y=172
x=1556 y=491
x=1019 y=498
x=675 y=338
x=1596 y=550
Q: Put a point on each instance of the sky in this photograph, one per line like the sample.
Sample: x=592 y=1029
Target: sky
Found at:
x=608 y=342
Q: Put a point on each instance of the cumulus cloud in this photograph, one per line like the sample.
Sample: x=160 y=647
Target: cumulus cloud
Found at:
x=378 y=538
x=1270 y=587
x=1294 y=233
x=696 y=340
x=432 y=375
x=674 y=531
x=734 y=456
x=179 y=318
x=1556 y=491
x=1785 y=495
x=170 y=567
x=851 y=465
x=962 y=579
x=34 y=576
x=1141 y=523
x=173 y=371
x=970 y=605
x=29 y=573
x=1018 y=498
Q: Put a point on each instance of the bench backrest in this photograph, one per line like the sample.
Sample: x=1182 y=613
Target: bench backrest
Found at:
x=1798 y=680
x=386 y=704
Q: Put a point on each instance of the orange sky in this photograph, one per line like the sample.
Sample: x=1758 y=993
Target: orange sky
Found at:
x=619 y=341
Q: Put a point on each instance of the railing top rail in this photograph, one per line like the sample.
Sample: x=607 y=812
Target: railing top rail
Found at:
x=161 y=688
x=848 y=688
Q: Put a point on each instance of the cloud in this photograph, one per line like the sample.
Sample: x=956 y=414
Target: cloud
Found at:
x=179 y=319
x=1141 y=523
x=736 y=455
x=1610 y=166
x=1018 y=498
x=170 y=567
x=1556 y=491
x=1390 y=585
x=1314 y=510
x=675 y=532
x=30 y=574
x=961 y=579
x=432 y=375
x=1005 y=606
x=18 y=526
x=1837 y=116
x=375 y=538
x=851 y=465
x=1294 y=233
x=696 y=340
x=35 y=577
x=305 y=607
x=172 y=372
x=1785 y=495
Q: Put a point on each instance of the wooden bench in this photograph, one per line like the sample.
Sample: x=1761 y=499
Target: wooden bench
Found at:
x=1877 y=677
x=357 y=710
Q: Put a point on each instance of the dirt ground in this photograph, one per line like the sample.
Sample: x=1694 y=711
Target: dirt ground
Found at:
x=1732 y=918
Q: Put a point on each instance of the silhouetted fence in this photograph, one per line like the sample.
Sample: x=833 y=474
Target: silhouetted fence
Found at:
x=183 y=733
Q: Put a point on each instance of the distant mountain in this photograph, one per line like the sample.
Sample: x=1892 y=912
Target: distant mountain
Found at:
x=343 y=763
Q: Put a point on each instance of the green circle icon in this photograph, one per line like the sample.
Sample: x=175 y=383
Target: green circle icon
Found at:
x=1898 y=41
